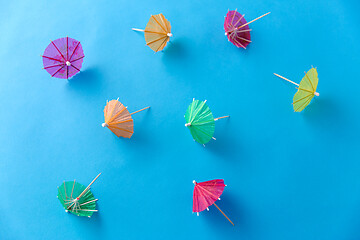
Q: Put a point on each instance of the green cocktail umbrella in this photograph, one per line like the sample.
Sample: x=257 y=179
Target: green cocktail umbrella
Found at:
x=77 y=198
x=200 y=121
x=306 y=89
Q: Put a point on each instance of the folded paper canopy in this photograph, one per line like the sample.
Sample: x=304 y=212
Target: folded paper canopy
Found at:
x=77 y=198
x=118 y=119
x=157 y=32
x=200 y=121
x=237 y=29
x=306 y=89
x=206 y=194
x=63 y=58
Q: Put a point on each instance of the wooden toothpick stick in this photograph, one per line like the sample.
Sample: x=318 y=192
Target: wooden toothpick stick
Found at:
x=139 y=30
x=88 y=187
x=224 y=214
x=83 y=192
x=139 y=110
x=316 y=93
x=286 y=79
x=252 y=21
x=221 y=118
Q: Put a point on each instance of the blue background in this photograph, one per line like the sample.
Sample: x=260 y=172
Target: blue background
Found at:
x=289 y=175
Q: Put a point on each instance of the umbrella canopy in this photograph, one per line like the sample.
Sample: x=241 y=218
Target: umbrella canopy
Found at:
x=77 y=198
x=200 y=121
x=237 y=29
x=118 y=119
x=306 y=89
x=63 y=58
x=157 y=32
x=206 y=194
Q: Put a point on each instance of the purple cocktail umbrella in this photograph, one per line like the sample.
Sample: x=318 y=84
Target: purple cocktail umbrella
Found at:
x=237 y=29
x=63 y=58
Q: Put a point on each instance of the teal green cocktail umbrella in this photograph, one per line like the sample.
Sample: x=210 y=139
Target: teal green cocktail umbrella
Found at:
x=77 y=199
x=200 y=121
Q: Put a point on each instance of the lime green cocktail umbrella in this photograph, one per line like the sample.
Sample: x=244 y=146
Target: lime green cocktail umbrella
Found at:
x=306 y=89
x=200 y=121
x=77 y=198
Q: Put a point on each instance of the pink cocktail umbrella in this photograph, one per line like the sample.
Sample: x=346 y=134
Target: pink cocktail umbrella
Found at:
x=237 y=29
x=205 y=195
x=63 y=58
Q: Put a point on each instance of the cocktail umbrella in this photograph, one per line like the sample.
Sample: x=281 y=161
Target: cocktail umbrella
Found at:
x=200 y=121
x=118 y=119
x=237 y=29
x=205 y=195
x=306 y=89
x=77 y=198
x=157 y=32
x=63 y=58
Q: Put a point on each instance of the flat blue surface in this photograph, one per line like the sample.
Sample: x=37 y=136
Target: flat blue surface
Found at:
x=289 y=175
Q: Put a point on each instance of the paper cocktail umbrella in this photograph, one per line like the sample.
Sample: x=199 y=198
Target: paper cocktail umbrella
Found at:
x=205 y=195
x=237 y=29
x=306 y=89
x=118 y=119
x=200 y=121
x=77 y=198
x=157 y=32
x=63 y=58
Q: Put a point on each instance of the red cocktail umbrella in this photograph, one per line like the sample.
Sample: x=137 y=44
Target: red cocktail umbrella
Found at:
x=63 y=58
x=205 y=195
x=237 y=29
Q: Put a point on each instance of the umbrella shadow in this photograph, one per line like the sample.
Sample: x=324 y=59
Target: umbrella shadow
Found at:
x=93 y=224
x=142 y=133
x=140 y=33
x=326 y=116
x=240 y=50
x=245 y=51
x=232 y=208
x=225 y=145
x=87 y=80
x=175 y=50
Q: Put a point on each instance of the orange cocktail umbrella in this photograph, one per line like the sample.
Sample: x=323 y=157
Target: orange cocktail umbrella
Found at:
x=157 y=32
x=118 y=119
